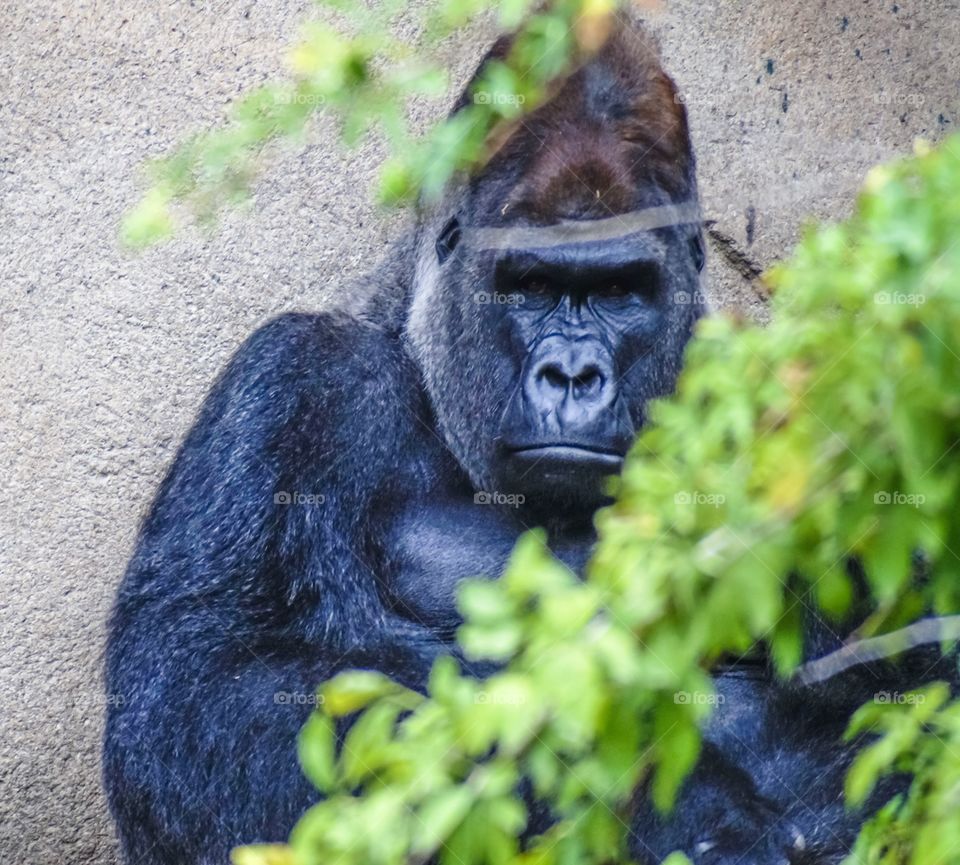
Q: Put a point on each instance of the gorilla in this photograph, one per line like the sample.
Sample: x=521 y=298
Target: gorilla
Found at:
x=349 y=468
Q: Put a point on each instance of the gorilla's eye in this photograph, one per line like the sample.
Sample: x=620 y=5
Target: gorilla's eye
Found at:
x=637 y=281
x=538 y=291
x=616 y=289
x=535 y=285
x=448 y=239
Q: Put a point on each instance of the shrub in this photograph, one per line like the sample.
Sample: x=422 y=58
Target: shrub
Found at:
x=786 y=450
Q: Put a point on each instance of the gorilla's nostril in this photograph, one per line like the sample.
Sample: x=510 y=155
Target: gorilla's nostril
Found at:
x=555 y=377
x=581 y=380
x=588 y=380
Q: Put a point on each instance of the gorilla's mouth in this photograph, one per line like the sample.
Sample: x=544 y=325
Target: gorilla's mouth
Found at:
x=570 y=453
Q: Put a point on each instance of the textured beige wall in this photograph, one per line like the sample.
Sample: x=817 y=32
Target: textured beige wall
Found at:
x=104 y=356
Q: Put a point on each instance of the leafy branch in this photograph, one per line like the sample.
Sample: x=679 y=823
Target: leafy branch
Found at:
x=786 y=451
x=365 y=78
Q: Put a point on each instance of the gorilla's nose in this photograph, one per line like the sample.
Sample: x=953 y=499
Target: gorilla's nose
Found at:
x=572 y=378
x=567 y=422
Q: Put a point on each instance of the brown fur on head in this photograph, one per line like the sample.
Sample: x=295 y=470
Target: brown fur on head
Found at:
x=613 y=138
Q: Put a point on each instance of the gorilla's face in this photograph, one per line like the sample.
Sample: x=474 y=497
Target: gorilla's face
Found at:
x=540 y=356
x=546 y=309
x=582 y=322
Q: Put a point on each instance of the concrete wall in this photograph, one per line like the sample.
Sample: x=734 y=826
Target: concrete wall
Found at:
x=105 y=356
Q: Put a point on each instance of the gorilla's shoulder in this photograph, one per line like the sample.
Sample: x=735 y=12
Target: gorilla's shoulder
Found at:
x=333 y=360
x=310 y=405
x=313 y=342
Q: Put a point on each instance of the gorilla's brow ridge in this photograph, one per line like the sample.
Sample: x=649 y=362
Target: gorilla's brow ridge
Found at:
x=574 y=231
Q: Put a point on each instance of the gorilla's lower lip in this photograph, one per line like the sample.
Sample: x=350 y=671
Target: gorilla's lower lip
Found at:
x=569 y=453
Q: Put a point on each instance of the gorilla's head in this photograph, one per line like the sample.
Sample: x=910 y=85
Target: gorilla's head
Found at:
x=556 y=288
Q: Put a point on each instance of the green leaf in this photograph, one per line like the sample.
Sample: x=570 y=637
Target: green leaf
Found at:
x=150 y=221
x=264 y=854
x=316 y=749
x=679 y=743
x=439 y=817
x=352 y=691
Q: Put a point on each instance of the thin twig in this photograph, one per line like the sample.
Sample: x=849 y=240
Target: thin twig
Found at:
x=921 y=633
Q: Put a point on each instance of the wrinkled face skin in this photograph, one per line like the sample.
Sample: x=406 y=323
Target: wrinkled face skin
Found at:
x=589 y=321
x=540 y=360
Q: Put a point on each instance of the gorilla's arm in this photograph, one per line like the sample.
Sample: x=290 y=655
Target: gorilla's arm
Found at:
x=235 y=606
x=769 y=784
x=720 y=817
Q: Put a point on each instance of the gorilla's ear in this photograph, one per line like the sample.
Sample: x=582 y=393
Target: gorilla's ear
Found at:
x=697 y=251
x=448 y=239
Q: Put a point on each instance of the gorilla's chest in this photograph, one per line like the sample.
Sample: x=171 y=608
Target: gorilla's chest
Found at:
x=434 y=542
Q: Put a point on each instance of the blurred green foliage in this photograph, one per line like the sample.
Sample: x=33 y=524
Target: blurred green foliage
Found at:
x=362 y=74
x=786 y=450
x=920 y=735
